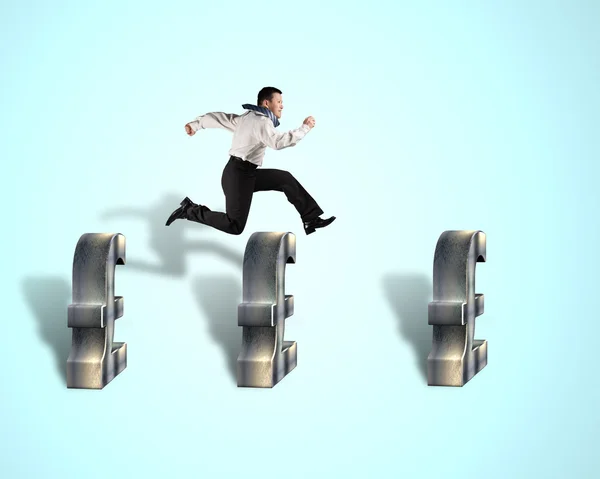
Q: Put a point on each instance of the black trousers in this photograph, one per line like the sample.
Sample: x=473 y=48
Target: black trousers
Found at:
x=239 y=182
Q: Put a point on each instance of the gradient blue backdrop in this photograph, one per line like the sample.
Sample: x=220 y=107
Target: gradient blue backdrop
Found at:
x=445 y=115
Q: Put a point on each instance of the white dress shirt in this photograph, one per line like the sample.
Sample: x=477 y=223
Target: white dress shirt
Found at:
x=252 y=132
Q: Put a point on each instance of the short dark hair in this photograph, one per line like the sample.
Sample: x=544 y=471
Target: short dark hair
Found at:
x=266 y=94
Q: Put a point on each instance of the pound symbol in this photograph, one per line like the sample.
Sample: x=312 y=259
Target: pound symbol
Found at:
x=95 y=359
x=265 y=358
x=455 y=356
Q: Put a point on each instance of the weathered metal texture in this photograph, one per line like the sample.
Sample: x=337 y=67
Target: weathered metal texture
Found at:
x=265 y=358
x=455 y=355
x=95 y=359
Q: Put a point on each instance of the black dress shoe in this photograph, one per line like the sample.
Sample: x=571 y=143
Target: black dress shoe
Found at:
x=310 y=226
x=180 y=213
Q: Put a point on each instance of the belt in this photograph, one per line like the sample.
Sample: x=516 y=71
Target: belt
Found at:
x=245 y=162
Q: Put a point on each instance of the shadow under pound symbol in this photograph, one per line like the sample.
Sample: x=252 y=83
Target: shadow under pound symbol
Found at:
x=95 y=359
x=455 y=355
x=265 y=358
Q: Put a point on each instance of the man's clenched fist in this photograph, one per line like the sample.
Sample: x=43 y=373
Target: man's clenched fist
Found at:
x=310 y=121
x=189 y=130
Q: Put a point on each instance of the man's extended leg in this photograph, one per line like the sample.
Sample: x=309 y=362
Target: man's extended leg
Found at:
x=280 y=180
x=307 y=207
x=238 y=186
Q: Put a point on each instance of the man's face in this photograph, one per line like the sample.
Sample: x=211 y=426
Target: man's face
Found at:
x=275 y=105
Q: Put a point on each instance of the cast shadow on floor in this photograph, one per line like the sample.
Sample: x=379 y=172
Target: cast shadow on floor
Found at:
x=409 y=296
x=48 y=298
x=218 y=298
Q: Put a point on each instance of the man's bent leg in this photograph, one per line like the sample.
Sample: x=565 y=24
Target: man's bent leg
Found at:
x=280 y=180
x=238 y=186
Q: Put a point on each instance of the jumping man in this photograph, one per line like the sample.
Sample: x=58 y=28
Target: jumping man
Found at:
x=252 y=132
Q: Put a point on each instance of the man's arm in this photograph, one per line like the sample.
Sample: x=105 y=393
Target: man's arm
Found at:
x=266 y=133
x=217 y=119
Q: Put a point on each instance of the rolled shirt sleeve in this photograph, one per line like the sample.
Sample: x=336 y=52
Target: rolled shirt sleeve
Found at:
x=265 y=132
x=228 y=121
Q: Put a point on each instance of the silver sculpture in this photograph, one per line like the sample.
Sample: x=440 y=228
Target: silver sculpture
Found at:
x=265 y=358
x=455 y=355
x=95 y=359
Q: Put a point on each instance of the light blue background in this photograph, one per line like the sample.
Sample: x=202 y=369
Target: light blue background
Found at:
x=446 y=115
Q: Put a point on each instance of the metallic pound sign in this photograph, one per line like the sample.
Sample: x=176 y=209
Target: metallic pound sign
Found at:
x=455 y=356
x=265 y=358
x=95 y=359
